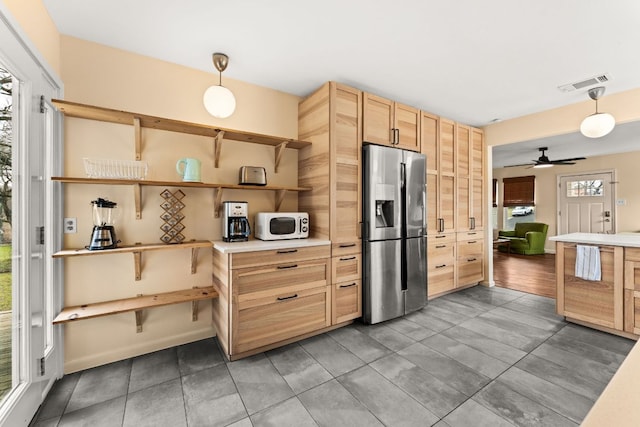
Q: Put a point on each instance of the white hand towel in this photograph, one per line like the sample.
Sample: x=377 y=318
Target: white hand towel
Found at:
x=588 y=263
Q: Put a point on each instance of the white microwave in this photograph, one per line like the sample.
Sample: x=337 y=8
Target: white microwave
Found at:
x=281 y=225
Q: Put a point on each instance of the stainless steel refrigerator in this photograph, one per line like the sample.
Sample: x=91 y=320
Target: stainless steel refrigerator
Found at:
x=394 y=233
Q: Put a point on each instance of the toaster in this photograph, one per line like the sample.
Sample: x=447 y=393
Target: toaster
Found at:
x=252 y=175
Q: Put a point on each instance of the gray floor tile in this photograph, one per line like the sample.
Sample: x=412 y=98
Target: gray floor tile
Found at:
x=105 y=414
x=289 y=413
x=571 y=378
x=199 y=355
x=259 y=383
x=468 y=356
x=488 y=328
x=455 y=374
x=480 y=342
x=456 y=307
x=298 y=368
x=536 y=334
x=59 y=396
x=211 y=397
x=433 y=394
x=385 y=400
x=559 y=399
x=588 y=351
x=161 y=404
x=386 y=336
x=441 y=423
x=493 y=296
x=518 y=409
x=362 y=345
x=410 y=329
x=245 y=422
x=330 y=405
x=596 y=338
x=100 y=384
x=443 y=313
x=332 y=356
x=523 y=306
x=428 y=320
x=50 y=422
x=471 y=413
x=529 y=319
x=462 y=298
x=585 y=366
x=153 y=368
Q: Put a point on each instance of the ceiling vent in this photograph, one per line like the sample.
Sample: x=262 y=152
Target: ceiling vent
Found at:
x=592 y=81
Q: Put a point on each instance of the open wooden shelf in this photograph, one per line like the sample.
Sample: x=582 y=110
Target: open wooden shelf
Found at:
x=137 y=250
x=137 y=304
x=139 y=121
x=217 y=189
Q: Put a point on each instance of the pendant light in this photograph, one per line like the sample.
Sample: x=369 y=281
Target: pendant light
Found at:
x=218 y=100
x=598 y=124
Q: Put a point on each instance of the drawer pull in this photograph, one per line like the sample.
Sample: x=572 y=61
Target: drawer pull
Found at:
x=471 y=259
x=441 y=246
x=440 y=237
x=282 y=267
x=471 y=242
x=291 y=251
x=286 y=298
x=471 y=234
x=441 y=265
x=348 y=286
x=347 y=245
x=347 y=259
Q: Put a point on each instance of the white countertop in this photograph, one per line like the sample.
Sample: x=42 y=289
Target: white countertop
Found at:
x=262 y=245
x=622 y=239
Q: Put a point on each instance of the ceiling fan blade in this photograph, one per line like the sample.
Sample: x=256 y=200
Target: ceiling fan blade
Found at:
x=515 y=166
x=562 y=162
x=571 y=159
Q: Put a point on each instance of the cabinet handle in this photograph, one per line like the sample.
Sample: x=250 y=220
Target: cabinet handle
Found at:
x=471 y=234
x=347 y=245
x=473 y=222
x=440 y=237
x=291 y=251
x=471 y=259
x=441 y=246
x=286 y=298
x=397 y=136
x=347 y=259
x=470 y=242
x=441 y=265
x=282 y=267
x=348 y=286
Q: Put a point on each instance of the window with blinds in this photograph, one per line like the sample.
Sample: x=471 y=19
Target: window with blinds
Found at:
x=519 y=191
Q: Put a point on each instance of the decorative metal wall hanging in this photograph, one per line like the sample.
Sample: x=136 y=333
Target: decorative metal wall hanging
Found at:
x=172 y=217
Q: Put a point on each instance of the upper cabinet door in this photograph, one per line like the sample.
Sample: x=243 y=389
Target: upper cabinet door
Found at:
x=463 y=143
x=407 y=126
x=429 y=140
x=377 y=120
x=477 y=153
x=447 y=147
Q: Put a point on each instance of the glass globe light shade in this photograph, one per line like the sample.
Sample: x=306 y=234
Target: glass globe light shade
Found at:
x=219 y=101
x=597 y=125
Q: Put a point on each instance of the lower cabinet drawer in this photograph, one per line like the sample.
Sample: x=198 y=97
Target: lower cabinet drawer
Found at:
x=346 y=268
x=346 y=301
x=269 y=320
x=259 y=282
x=468 y=248
x=441 y=253
x=440 y=279
x=470 y=270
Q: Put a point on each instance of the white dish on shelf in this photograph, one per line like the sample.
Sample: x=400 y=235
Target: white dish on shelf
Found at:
x=115 y=169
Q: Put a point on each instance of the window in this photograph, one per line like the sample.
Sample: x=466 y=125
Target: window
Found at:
x=519 y=191
x=587 y=188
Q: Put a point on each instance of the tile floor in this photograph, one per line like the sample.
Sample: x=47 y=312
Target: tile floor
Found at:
x=480 y=357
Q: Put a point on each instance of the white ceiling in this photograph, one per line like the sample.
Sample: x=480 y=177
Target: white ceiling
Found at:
x=468 y=60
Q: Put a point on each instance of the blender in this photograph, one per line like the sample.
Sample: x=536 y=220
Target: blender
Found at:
x=103 y=235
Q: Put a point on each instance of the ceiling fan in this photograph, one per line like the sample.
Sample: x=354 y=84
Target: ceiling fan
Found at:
x=544 y=162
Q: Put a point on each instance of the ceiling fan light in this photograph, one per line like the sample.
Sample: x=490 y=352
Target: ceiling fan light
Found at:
x=543 y=165
x=597 y=125
x=219 y=101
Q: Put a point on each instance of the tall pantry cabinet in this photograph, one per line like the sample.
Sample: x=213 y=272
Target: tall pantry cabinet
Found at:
x=331 y=118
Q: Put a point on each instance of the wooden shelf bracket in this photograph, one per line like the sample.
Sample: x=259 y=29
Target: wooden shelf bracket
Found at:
x=279 y=198
x=194 y=260
x=194 y=309
x=217 y=147
x=217 y=201
x=137 y=130
x=279 y=151
x=137 y=264
x=137 y=196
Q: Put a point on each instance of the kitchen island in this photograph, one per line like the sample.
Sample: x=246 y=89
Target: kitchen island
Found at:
x=611 y=304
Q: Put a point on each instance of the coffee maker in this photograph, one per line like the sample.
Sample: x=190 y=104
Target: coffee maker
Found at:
x=103 y=235
x=235 y=222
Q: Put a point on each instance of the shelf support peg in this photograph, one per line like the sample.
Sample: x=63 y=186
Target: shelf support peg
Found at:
x=279 y=151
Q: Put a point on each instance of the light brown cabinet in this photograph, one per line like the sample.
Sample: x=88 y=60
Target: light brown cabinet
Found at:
x=470 y=258
x=386 y=122
x=441 y=264
x=331 y=118
x=269 y=298
x=632 y=290
x=470 y=188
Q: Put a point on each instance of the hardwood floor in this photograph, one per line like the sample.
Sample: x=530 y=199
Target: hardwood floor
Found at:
x=534 y=274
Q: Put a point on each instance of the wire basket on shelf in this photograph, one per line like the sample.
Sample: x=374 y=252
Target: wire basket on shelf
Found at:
x=115 y=169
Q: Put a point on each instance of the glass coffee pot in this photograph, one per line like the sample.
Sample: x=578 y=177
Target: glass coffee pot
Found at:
x=103 y=235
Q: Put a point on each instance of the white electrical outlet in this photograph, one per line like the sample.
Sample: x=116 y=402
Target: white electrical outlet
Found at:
x=621 y=202
x=70 y=225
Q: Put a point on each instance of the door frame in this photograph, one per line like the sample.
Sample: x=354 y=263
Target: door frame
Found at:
x=614 y=206
x=23 y=58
